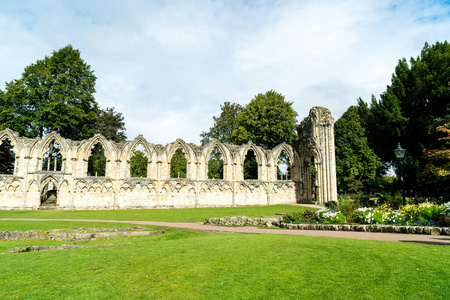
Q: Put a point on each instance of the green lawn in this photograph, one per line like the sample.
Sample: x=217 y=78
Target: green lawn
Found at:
x=196 y=265
x=168 y=215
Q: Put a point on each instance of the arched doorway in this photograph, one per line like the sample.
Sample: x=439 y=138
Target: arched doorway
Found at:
x=49 y=193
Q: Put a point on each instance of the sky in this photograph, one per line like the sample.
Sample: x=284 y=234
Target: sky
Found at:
x=167 y=66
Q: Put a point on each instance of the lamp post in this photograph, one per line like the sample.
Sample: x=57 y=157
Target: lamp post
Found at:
x=400 y=154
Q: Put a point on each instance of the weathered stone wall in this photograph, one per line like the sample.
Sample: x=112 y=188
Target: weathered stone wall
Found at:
x=117 y=190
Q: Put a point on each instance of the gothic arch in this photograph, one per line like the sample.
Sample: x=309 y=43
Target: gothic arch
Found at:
x=89 y=145
x=139 y=140
x=259 y=154
x=289 y=151
x=12 y=136
x=187 y=150
x=221 y=147
x=46 y=141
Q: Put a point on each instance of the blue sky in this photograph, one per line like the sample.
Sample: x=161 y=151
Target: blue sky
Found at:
x=168 y=65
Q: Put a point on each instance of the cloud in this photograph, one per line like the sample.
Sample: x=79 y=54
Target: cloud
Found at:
x=168 y=65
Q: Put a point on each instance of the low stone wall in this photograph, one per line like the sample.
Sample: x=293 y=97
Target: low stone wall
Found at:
x=372 y=228
x=244 y=221
x=79 y=234
x=277 y=221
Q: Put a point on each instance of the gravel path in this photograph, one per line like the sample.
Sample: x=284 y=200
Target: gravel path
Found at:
x=198 y=226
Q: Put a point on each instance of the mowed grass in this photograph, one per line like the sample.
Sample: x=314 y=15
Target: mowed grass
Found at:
x=167 y=215
x=196 y=265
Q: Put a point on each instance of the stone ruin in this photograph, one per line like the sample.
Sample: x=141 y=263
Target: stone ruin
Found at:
x=39 y=179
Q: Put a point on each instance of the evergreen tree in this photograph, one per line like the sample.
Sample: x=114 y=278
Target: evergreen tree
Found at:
x=356 y=163
x=418 y=94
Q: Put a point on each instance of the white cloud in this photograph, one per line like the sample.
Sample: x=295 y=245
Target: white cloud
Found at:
x=168 y=65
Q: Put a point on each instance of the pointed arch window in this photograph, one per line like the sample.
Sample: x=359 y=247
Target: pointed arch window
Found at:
x=97 y=161
x=139 y=162
x=283 y=166
x=178 y=164
x=7 y=157
x=215 y=164
x=52 y=159
x=250 y=166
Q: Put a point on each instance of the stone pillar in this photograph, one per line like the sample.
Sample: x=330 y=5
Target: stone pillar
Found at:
x=316 y=135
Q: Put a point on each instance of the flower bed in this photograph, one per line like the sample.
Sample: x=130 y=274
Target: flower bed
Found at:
x=347 y=212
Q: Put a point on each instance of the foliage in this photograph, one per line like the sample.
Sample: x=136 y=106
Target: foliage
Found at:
x=356 y=163
x=422 y=214
x=57 y=94
x=178 y=164
x=14 y=113
x=110 y=124
x=268 y=120
x=97 y=161
x=283 y=161
x=437 y=159
x=7 y=157
x=348 y=207
x=330 y=216
x=52 y=159
x=224 y=124
x=138 y=164
x=250 y=165
x=418 y=95
x=54 y=94
x=215 y=165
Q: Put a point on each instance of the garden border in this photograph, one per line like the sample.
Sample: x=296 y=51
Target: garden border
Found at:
x=276 y=221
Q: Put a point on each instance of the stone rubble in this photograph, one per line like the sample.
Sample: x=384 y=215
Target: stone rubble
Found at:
x=77 y=234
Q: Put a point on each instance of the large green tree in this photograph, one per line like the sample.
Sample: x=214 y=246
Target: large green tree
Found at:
x=356 y=163
x=111 y=125
x=418 y=94
x=54 y=94
x=268 y=120
x=224 y=124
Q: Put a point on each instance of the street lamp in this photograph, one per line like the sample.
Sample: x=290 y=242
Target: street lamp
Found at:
x=400 y=154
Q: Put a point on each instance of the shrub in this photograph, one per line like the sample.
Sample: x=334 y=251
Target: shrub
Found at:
x=422 y=214
x=327 y=216
x=348 y=207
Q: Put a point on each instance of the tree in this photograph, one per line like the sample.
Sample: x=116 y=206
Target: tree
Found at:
x=215 y=165
x=356 y=163
x=54 y=94
x=97 y=161
x=418 y=94
x=178 y=164
x=7 y=157
x=138 y=164
x=224 y=124
x=268 y=120
x=437 y=167
x=110 y=124
x=14 y=113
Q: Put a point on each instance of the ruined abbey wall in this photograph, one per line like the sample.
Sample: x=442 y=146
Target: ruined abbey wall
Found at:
x=117 y=190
